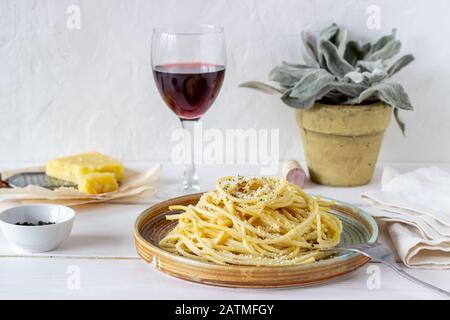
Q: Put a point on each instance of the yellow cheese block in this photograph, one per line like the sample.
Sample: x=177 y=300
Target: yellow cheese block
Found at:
x=98 y=182
x=73 y=168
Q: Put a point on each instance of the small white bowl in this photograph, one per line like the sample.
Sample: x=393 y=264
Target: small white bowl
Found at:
x=37 y=238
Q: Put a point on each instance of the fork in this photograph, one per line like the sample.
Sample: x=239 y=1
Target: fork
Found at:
x=383 y=254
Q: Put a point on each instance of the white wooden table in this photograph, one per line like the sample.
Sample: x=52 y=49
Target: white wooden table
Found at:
x=99 y=261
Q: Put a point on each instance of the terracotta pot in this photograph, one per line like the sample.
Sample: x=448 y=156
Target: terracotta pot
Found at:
x=342 y=142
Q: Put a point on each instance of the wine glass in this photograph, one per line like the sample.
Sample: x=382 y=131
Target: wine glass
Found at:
x=188 y=63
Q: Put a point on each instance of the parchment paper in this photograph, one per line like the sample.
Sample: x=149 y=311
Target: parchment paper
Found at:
x=135 y=184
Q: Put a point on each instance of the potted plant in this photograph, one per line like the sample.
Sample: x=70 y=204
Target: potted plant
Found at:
x=343 y=99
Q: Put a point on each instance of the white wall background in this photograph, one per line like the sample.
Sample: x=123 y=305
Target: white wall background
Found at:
x=64 y=91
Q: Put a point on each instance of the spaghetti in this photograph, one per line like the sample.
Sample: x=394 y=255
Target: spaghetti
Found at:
x=254 y=221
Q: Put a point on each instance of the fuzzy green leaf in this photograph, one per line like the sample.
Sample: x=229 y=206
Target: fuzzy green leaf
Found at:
x=261 y=87
x=309 y=50
x=387 y=52
x=354 y=51
x=390 y=92
x=288 y=75
x=293 y=102
x=400 y=64
x=335 y=63
x=312 y=83
x=329 y=33
x=399 y=121
x=371 y=65
x=341 y=42
x=349 y=89
x=373 y=77
x=310 y=89
x=354 y=76
x=383 y=41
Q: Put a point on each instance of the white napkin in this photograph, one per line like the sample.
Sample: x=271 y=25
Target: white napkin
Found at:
x=416 y=208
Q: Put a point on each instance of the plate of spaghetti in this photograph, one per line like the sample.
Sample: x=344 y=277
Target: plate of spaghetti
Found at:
x=254 y=232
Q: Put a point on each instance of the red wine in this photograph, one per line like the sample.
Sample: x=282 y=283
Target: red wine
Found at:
x=189 y=89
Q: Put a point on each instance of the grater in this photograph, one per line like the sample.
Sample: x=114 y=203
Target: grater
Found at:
x=21 y=180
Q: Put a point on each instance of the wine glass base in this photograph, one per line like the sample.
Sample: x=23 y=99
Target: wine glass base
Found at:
x=177 y=189
x=190 y=187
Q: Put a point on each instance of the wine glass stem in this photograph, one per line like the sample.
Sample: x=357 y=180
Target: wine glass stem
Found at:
x=190 y=182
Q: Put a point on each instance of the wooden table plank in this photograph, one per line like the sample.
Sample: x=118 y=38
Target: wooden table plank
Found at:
x=43 y=278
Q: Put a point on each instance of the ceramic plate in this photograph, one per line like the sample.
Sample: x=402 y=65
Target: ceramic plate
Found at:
x=151 y=226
